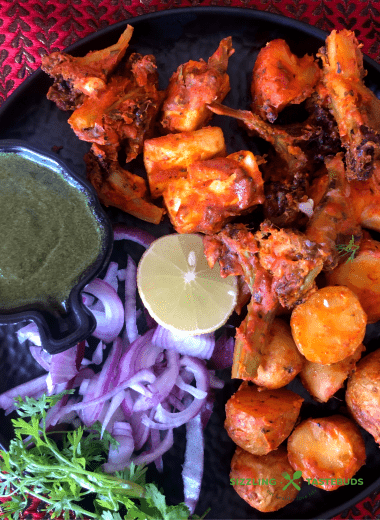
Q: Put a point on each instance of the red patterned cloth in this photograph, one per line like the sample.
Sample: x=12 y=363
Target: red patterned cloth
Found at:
x=29 y=29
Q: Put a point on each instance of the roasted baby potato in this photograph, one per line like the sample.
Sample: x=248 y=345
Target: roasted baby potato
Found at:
x=281 y=360
x=167 y=158
x=362 y=276
x=329 y=326
x=363 y=394
x=327 y=450
x=281 y=78
x=247 y=470
x=323 y=381
x=259 y=421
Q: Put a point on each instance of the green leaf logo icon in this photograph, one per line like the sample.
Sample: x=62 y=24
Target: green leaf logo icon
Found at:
x=296 y=475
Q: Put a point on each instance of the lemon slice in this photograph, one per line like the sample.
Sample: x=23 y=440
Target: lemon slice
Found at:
x=180 y=290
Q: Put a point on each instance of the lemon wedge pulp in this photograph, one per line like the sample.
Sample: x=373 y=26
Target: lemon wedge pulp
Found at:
x=179 y=289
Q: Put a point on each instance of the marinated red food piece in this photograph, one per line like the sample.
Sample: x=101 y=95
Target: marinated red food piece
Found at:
x=260 y=420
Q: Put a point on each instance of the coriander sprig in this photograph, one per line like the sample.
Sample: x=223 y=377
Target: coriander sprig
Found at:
x=63 y=474
x=348 y=249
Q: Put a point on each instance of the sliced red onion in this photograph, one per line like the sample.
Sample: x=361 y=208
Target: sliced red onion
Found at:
x=151 y=323
x=114 y=405
x=162 y=386
x=110 y=322
x=198 y=368
x=32 y=388
x=148 y=356
x=150 y=456
x=97 y=356
x=215 y=382
x=127 y=404
x=176 y=403
x=126 y=367
x=120 y=455
x=117 y=415
x=167 y=419
x=195 y=392
x=222 y=356
x=54 y=414
x=103 y=382
x=141 y=389
x=63 y=366
x=207 y=408
x=41 y=356
x=124 y=232
x=84 y=373
x=131 y=332
x=140 y=430
x=31 y=333
x=84 y=386
x=88 y=299
x=81 y=348
x=155 y=440
x=111 y=275
x=192 y=471
x=201 y=346
x=143 y=375
x=121 y=275
x=121 y=428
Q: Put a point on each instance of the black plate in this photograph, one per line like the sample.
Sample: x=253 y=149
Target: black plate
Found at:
x=174 y=37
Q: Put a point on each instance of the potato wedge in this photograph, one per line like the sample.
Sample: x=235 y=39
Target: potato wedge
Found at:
x=259 y=480
x=326 y=450
x=259 y=421
x=323 y=381
x=363 y=394
x=329 y=326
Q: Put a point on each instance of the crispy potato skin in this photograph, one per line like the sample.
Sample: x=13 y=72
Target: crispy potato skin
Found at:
x=363 y=394
x=326 y=448
x=265 y=498
x=281 y=361
x=362 y=276
x=329 y=326
x=323 y=381
x=258 y=421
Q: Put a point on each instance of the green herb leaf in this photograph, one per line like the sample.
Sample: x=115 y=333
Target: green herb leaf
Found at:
x=64 y=472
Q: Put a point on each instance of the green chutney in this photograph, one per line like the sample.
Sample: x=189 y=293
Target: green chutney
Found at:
x=48 y=235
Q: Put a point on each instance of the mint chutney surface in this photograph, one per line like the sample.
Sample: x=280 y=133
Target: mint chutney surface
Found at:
x=48 y=234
